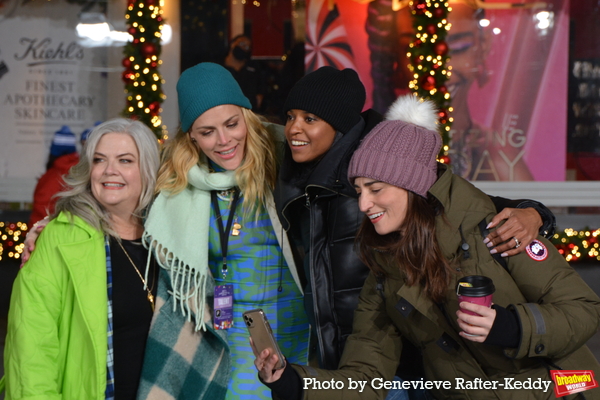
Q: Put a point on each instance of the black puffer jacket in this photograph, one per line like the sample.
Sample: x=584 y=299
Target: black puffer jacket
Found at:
x=321 y=195
x=319 y=209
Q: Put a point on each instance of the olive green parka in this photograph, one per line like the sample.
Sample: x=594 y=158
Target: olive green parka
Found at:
x=557 y=313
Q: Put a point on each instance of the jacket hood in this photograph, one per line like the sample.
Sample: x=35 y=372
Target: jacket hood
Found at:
x=464 y=207
x=66 y=218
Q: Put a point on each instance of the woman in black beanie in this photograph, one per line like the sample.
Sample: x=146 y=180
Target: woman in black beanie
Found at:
x=317 y=205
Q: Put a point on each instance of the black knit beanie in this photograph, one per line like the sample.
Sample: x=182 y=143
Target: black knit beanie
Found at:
x=335 y=96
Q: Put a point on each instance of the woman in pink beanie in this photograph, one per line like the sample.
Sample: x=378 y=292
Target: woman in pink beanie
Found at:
x=423 y=232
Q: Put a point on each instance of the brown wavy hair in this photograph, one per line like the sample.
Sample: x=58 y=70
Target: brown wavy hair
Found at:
x=255 y=176
x=417 y=251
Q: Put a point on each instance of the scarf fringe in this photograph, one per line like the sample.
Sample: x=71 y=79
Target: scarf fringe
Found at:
x=189 y=284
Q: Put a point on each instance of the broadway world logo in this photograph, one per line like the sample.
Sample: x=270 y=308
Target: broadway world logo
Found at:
x=568 y=382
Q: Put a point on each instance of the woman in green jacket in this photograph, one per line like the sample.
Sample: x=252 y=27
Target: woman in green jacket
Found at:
x=81 y=309
x=423 y=232
x=221 y=166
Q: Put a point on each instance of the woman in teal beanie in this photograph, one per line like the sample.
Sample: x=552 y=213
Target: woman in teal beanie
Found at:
x=217 y=237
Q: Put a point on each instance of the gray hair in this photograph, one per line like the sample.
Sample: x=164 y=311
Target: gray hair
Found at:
x=78 y=199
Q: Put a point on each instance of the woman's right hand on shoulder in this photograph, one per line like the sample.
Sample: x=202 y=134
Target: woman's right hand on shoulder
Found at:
x=265 y=364
x=31 y=238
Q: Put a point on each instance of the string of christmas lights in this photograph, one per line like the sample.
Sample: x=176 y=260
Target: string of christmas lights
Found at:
x=12 y=235
x=428 y=55
x=143 y=82
x=573 y=245
x=578 y=245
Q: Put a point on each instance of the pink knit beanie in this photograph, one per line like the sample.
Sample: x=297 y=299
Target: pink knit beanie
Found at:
x=402 y=150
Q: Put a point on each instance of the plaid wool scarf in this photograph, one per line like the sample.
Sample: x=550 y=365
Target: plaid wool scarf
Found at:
x=180 y=362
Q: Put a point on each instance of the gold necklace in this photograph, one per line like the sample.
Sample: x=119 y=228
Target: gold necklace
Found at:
x=150 y=296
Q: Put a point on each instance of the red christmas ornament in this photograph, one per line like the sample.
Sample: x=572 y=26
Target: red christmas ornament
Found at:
x=428 y=82
x=136 y=41
x=128 y=76
x=153 y=64
x=150 y=2
x=126 y=62
x=159 y=18
x=440 y=48
x=148 y=49
x=431 y=29
x=438 y=13
x=436 y=66
x=445 y=159
x=155 y=105
x=443 y=114
x=419 y=6
x=417 y=43
x=132 y=31
x=443 y=89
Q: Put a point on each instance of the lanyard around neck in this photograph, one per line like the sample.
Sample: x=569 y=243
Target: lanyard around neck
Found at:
x=224 y=232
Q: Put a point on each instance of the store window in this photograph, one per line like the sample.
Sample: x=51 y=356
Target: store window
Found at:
x=54 y=74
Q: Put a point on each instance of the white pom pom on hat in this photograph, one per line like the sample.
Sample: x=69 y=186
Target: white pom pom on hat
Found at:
x=401 y=150
x=413 y=110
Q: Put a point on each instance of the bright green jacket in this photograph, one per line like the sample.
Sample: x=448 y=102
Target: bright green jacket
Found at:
x=56 y=341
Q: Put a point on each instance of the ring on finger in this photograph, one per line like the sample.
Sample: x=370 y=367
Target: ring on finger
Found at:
x=517 y=243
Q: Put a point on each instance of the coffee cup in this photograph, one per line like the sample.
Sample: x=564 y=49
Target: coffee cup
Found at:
x=475 y=289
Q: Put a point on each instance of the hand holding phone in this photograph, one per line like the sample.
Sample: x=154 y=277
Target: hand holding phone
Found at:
x=262 y=334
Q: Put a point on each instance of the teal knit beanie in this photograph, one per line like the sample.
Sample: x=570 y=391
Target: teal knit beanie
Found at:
x=203 y=87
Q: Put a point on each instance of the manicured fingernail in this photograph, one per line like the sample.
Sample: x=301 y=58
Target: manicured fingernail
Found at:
x=490 y=244
x=493 y=251
x=486 y=240
x=488 y=226
x=504 y=255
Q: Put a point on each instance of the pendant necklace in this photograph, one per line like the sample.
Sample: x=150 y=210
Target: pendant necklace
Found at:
x=150 y=296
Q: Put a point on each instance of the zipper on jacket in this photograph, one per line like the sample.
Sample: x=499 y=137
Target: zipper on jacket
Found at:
x=313 y=285
x=380 y=279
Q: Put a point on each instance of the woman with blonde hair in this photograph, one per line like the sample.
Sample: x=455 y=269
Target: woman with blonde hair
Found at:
x=216 y=234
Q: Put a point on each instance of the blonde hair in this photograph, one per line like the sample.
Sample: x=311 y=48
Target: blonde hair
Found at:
x=255 y=176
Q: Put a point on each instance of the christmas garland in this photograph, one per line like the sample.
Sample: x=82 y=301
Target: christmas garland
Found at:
x=143 y=82
x=429 y=58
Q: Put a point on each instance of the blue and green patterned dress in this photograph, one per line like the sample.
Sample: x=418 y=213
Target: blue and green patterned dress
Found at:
x=256 y=269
